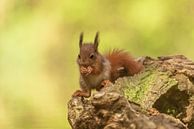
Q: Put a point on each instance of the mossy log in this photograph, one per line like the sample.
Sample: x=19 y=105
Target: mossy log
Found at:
x=160 y=97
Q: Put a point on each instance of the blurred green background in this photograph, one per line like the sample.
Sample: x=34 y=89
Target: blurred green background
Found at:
x=39 y=46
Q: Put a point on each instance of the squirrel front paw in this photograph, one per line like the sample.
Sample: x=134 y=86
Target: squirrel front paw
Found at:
x=80 y=93
x=153 y=112
x=106 y=83
x=86 y=70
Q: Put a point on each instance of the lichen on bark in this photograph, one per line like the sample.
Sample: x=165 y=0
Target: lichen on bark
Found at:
x=146 y=84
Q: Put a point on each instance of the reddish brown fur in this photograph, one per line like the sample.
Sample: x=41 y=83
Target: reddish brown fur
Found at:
x=120 y=59
x=96 y=70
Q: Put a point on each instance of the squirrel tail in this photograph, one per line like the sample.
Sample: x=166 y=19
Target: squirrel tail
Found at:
x=122 y=64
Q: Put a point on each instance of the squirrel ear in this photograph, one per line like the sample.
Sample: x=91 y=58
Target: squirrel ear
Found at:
x=81 y=39
x=96 y=41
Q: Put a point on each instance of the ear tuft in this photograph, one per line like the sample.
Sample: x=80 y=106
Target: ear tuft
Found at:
x=81 y=39
x=96 y=41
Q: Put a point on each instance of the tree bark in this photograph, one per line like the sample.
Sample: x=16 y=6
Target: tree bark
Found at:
x=160 y=97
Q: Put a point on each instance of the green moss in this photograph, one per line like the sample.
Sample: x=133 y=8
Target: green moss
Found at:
x=171 y=111
x=138 y=87
x=135 y=91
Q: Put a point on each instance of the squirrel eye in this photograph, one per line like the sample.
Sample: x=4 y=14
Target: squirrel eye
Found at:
x=79 y=56
x=91 y=56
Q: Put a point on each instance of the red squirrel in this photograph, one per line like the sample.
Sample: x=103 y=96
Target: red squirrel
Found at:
x=97 y=70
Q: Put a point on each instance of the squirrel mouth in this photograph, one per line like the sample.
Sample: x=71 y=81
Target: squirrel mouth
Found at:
x=86 y=64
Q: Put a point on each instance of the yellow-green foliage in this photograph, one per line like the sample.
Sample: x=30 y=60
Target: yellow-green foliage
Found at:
x=39 y=46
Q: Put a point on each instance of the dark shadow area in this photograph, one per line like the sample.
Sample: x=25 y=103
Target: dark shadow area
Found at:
x=191 y=79
x=191 y=125
x=173 y=102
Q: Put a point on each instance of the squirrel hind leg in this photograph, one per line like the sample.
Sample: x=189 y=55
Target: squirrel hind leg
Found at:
x=133 y=67
x=117 y=72
x=122 y=71
x=126 y=70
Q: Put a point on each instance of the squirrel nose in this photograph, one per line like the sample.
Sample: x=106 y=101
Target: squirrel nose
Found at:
x=84 y=62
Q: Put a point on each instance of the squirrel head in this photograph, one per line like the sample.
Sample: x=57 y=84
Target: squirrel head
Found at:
x=88 y=54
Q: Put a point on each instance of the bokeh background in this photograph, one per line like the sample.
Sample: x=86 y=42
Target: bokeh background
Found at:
x=39 y=46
